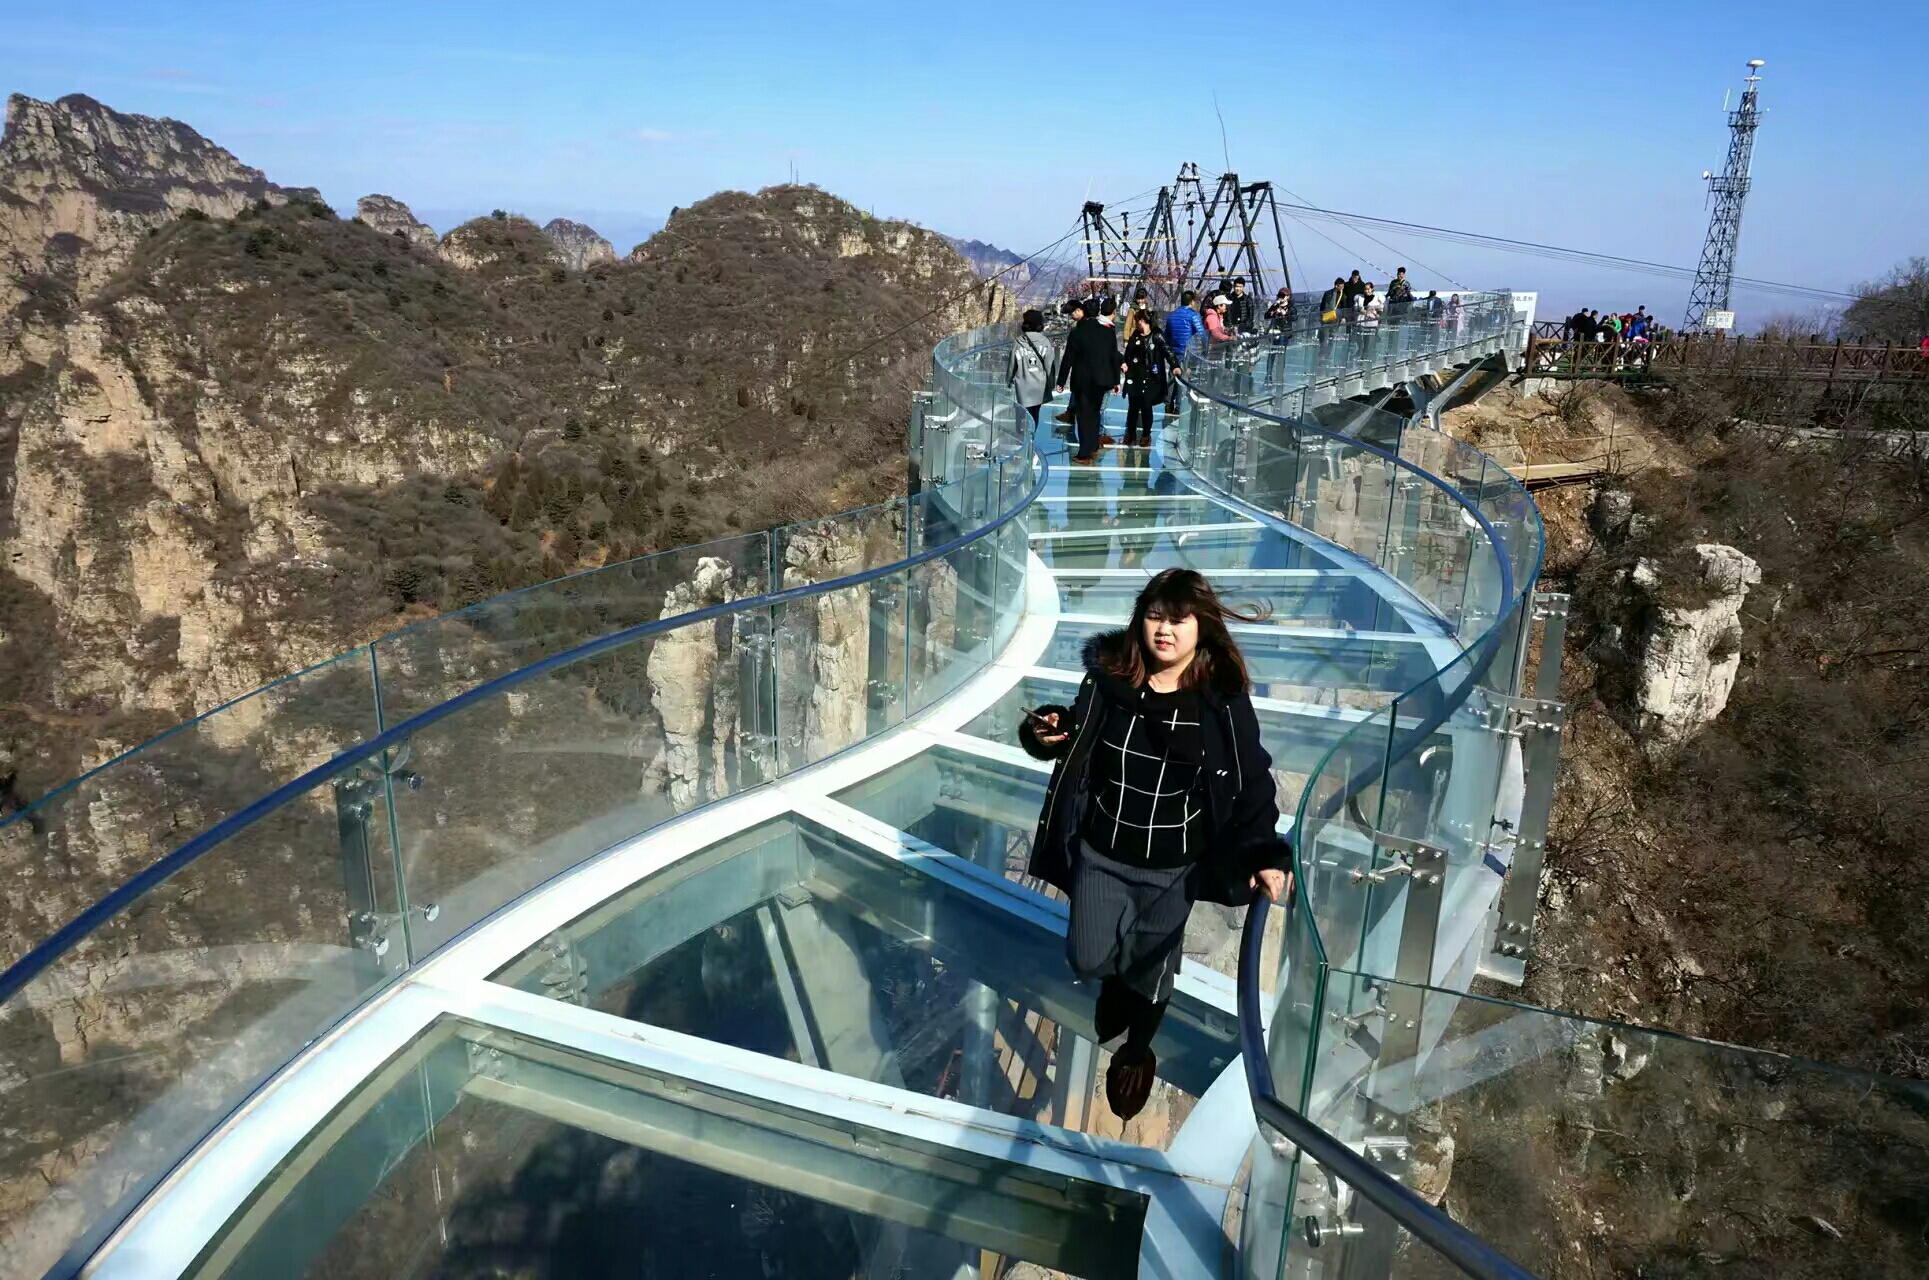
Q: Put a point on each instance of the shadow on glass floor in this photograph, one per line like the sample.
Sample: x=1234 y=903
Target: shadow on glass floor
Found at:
x=802 y=943
x=478 y=1153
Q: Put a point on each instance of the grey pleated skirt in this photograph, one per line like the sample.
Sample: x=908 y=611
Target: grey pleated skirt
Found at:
x=1128 y=923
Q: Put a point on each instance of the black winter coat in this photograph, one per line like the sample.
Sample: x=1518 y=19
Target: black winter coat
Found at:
x=1091 y=360
x=1239 y=313
x=1240 y=792
x=1148 y=367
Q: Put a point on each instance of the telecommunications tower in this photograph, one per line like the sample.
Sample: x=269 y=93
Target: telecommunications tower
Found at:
x=1708 y=304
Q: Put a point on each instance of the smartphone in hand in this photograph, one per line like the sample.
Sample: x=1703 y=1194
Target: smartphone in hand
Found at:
x=1042 y=723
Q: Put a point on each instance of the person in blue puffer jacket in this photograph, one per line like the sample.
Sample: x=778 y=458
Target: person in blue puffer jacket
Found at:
x=1183 y=325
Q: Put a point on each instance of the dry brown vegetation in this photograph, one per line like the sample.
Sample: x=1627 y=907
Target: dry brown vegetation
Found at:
x=1765 y=884
x=1762 y=886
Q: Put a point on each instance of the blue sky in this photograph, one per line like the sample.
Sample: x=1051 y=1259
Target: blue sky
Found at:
x=1578 y=124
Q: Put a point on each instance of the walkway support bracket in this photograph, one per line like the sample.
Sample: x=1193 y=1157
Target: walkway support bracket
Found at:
x=1539 y=721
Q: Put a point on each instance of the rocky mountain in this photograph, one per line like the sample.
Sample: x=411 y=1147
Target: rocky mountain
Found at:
x=83 y=184
x=387 y=214
x=578 y=246
x=239 y=434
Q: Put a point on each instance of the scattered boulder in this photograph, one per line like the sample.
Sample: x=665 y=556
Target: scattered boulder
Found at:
x=578 y=246
x=1690 y=653
x=1430 y=1161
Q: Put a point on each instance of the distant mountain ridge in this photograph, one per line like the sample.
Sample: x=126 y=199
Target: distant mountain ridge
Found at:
x=1032 y=281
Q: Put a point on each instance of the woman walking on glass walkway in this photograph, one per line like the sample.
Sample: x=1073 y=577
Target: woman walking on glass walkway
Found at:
x=1162 y=796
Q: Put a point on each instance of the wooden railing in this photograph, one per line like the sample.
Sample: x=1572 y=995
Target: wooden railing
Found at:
x=1556 y=357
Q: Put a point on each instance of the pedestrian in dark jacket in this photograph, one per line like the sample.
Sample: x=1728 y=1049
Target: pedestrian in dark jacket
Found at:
x=1089 y=369
x=1075 y=309
x=1333 y=306
x=1146 y=379
x=1353 y=288
x=1163 y=795
x=1279 y=315
x=1239 y=310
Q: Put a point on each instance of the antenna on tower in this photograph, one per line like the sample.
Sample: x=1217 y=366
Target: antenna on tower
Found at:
x=1708 y=302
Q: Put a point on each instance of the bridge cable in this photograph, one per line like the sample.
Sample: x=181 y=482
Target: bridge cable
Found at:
x=1508 y=244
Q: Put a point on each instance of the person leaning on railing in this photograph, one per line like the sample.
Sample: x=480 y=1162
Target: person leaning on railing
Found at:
x=1162 y=795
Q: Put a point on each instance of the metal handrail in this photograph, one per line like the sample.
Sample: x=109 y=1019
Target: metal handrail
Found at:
x=1488 y=644
x=36 y=961
x=1425 y=1222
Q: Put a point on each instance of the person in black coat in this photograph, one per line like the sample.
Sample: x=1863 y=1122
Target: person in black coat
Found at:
x=1239 y=310
x=1147 y=377
x=1162 y=795
x=1090 y=368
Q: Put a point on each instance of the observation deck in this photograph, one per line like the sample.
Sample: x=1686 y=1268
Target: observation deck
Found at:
x=670 y=919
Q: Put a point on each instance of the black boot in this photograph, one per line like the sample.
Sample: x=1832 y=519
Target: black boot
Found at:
x=1128 y=1081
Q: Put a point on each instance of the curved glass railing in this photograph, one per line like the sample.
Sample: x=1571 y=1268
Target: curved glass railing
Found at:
x=1400 y=813
x=215 y=900
x=1376 y=1063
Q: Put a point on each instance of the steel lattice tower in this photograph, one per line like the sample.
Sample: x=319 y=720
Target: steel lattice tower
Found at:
x=1728 y=190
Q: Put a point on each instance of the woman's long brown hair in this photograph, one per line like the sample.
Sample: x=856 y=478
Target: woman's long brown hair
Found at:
x=1185 y=593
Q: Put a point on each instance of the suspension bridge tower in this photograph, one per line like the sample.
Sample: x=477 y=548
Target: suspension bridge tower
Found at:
x=1708 y=304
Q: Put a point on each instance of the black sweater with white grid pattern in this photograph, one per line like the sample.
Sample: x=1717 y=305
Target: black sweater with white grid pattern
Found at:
x=1146 y=808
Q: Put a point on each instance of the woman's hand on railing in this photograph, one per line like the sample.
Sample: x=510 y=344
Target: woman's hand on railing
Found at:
x=1277 y=884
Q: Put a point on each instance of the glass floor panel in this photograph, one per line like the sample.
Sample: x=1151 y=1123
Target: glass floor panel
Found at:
x=1120 y=474
x=1152 y=550
x=1292 y=664
x=1125 y=511
x=1296 y=598
x=798 y=942
x=478 y=1154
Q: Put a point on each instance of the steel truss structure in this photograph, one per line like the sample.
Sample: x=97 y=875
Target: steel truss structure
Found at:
x=1220 y=240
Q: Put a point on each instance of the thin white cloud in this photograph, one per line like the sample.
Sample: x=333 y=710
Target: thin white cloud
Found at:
x=652 y=135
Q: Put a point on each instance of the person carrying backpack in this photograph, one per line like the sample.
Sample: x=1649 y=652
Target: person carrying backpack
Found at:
x=1030 y=373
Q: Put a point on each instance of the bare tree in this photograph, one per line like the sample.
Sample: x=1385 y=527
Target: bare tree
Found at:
x=1893 y=309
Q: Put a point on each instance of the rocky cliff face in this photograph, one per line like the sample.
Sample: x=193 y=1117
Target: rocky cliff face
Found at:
x=1674 y=637
x=83 y=184
x=239 y=435
x=1030 y=279
x=390 y=216
x=267 y=438
x=578 y=246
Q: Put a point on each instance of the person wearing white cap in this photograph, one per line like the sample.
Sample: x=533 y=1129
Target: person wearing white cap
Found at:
x=1216 y=319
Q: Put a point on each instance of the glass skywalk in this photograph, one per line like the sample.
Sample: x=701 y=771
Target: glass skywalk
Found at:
x=672 y=919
